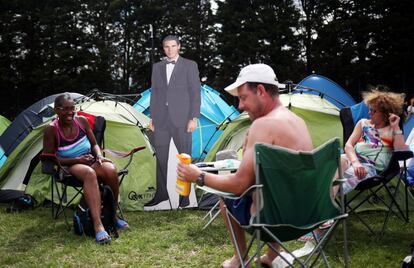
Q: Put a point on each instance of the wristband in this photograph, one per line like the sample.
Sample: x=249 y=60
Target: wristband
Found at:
x=397 y=132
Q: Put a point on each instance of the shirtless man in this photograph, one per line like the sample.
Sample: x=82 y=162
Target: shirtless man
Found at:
x=272 y=123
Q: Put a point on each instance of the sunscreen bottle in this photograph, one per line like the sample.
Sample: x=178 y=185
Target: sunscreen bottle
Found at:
x=183 y=187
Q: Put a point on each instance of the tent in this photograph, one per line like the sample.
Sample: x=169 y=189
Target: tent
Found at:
x=214 y=112
x=408 y=126
x=27 y=120
x=319 y=85
x=4 y=123
x=320 y=115
x=124 y=131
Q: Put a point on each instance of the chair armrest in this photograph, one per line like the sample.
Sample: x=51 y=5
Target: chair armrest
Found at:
x=401 y=155
x=393 y=167
x=119 y=154
x=338 y=182
x=49 y=162
x=204 y=164
x=227 y=194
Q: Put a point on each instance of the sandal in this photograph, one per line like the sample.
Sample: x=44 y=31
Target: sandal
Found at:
x=102 y=237
x=121 y=224
x=311 y=236
x=326 y=224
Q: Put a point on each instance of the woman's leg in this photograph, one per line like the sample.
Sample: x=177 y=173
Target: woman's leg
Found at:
x=108 y=174
x=90 y=191
x=345 y=164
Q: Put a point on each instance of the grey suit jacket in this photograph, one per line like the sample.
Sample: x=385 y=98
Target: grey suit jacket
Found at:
x=178 y=101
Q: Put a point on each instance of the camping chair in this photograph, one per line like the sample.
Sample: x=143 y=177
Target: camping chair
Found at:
x=59 y=176
x=381 y=182
x=293 y=198
x=214 y=211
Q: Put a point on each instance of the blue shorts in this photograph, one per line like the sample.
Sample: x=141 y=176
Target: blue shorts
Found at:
x=240 y=208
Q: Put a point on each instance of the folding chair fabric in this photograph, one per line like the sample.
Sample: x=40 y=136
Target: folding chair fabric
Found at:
x=296 y=188
x=293 y=193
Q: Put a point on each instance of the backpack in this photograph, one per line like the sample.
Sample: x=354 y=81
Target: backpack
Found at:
x=82 y=220
x=23 y=202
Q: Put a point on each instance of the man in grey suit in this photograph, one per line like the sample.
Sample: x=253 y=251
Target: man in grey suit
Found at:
x=174 y=108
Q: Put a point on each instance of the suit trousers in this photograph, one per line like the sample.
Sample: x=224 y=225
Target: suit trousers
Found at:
x=182 y=140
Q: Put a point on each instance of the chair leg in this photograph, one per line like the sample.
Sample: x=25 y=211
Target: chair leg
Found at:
x=211 y=215
x=58 y=206
x=352 y=210
x=403 y=175
x=257 y=254
x=344 y=226
x=345 y=233
x=61 y=196
x=390 y=209
x=62 y=207
x=120 y=211
x=258 y=247
x=320 y=251
x=268 y=232
x=233 y=236
x=52 y=183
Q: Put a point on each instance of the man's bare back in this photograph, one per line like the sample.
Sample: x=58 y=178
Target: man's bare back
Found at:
x=283 y=128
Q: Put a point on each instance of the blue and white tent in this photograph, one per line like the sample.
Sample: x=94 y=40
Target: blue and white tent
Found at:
x=214 y=112
x=408 y=126
x=320 y=85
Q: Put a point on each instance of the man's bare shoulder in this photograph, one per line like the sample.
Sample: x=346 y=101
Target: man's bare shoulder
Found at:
x=278 y=117
x=281 y=127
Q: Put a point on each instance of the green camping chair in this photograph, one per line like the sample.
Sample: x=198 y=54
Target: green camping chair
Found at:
x=51 y=166
x=293 y=191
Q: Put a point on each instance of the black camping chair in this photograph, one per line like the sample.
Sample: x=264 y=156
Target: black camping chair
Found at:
x=382 y=181
x=59 y=175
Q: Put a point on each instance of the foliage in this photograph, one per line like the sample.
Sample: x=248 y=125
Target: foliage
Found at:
x=357 y=43
x=48 y=46
x=258 y=31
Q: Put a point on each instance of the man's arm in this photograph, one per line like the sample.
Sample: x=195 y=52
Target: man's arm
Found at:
x=195 y=101
x=193 y=79
x=237 y=182
x=356 y=134
x=153 y=96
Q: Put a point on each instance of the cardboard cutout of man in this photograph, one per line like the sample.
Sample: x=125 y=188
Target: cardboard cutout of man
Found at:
x=174 y=108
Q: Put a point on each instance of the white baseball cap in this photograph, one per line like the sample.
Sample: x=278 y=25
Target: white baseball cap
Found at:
x=258 y=73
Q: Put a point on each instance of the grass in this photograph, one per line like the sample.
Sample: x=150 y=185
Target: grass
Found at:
x=171 y=239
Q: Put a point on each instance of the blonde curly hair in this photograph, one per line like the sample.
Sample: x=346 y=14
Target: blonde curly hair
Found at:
x=384 y=101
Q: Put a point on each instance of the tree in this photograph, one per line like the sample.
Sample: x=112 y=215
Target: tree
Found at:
x=258 y=31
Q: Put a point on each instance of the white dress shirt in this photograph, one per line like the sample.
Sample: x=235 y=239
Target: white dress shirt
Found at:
x=170 y=69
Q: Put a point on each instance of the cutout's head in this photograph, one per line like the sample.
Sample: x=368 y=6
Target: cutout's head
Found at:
x=171 y=46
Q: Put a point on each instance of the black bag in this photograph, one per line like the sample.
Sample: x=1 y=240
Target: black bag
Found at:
x=23 y=202
x=82 y=220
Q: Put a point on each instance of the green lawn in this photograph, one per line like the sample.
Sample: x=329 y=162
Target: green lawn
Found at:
x=170 y=239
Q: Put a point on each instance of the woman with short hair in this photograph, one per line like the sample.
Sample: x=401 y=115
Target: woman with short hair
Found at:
x=71 y=139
